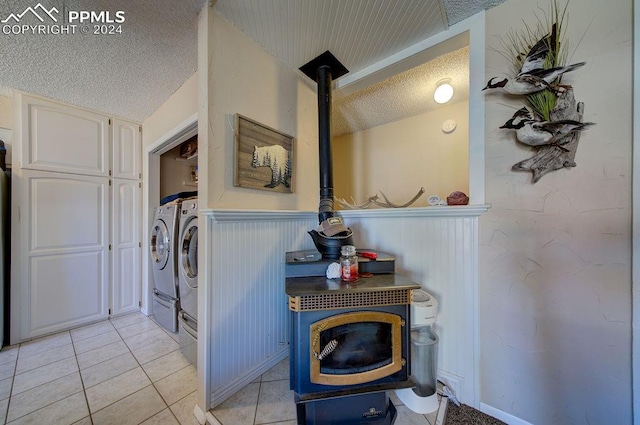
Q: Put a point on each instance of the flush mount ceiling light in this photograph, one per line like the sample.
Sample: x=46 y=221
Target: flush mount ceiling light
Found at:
x=444 y=91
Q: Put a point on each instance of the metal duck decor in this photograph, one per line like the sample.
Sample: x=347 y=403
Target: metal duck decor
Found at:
x=551 y=121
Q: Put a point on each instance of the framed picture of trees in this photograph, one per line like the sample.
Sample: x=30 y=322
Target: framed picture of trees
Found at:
x=263 y=157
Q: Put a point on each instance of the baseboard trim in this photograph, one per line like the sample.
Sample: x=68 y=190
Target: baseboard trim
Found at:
x=455 y=384
x=199 y=414
x=222 y=394
x=211 y=420
x=503 y=416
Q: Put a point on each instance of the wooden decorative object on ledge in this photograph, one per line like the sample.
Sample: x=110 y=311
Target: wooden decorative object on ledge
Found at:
x=374 y=200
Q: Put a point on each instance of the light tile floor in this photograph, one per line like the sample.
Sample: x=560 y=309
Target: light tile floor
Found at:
x=127 y=370
x=268 y=400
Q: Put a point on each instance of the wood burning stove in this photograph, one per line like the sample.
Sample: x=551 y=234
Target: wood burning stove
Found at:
x=348 y=340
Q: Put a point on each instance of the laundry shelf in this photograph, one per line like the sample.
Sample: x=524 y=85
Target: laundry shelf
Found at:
x=192 y=159
x=194 y=184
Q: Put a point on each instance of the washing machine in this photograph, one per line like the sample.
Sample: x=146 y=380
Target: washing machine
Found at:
x=163 y=246
x=188 y=278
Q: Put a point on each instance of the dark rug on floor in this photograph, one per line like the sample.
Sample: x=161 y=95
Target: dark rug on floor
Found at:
x=466 y=415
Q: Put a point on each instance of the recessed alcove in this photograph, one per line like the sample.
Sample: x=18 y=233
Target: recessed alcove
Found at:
x=390 y=136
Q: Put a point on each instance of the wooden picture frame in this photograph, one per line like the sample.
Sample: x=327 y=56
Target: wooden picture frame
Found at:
x=263 y=157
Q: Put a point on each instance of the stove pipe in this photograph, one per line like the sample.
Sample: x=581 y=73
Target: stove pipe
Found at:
x=325 y=209
x=331 y=234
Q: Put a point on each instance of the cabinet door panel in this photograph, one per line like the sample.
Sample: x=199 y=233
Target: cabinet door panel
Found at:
x=127 y=150
x=67 y=251
x=66 y=290
x=64 y=139
x=126 y=235
x=67 y=212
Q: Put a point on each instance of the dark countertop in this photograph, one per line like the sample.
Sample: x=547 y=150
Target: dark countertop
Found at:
x=314 y=285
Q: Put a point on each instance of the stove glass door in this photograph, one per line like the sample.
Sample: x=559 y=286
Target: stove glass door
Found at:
x=354 y=348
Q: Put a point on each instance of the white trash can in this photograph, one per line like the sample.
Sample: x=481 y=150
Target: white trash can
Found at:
x=423 y=398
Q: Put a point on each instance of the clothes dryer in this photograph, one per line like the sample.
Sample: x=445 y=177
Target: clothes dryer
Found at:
x=188 y=258
x=188 y=278
x=163 y=258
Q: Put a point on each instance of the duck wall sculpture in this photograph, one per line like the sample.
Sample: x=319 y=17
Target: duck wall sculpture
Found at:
x=551 y=122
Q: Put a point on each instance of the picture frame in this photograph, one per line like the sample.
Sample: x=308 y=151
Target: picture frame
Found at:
x=263 y=157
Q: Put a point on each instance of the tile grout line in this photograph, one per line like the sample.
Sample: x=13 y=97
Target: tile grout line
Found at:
x=43 y=407
x=154 y=384
x=33 y=368
x=82 y=380
x=151 y=380
x=437 y=410
x=255 y=412
x=132 y=355
x=148 y=377
x=13 y=377
x=63 y=376
x=84 y=390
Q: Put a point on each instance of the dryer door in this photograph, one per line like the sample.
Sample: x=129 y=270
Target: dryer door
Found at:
x=189 y=253
x=160 y=244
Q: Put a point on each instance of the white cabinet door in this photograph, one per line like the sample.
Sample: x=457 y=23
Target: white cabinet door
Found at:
x=126 y=236
x=65 y=234
x=127 y=150
x=64 y=139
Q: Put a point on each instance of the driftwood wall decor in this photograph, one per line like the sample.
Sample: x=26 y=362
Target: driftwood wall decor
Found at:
x=551 y=121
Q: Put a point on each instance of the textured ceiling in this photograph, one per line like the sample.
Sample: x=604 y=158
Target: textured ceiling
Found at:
x=404 y=95
x=457 y=10
x=128 y=75
x=131 y=74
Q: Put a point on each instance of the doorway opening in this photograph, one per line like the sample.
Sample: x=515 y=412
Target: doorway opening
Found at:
x=152 y=194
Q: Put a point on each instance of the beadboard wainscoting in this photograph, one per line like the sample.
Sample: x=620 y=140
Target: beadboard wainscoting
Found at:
x=247 y=306
x=436 y=247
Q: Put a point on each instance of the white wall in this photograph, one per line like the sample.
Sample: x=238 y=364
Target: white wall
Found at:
x=181 y=105
x=239 y=77
x=245 y=79
x=555 y=258
x=399 y=158
x=6 y=112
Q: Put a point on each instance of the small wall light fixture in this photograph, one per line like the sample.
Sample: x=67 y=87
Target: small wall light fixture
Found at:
x=444 y=91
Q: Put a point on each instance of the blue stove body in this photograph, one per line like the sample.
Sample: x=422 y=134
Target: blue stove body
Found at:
x=349 y=341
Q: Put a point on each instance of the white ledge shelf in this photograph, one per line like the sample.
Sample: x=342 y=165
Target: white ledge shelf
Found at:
x=257 y=215
x=439 y=211
x=193 y=159
x=278 y=215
